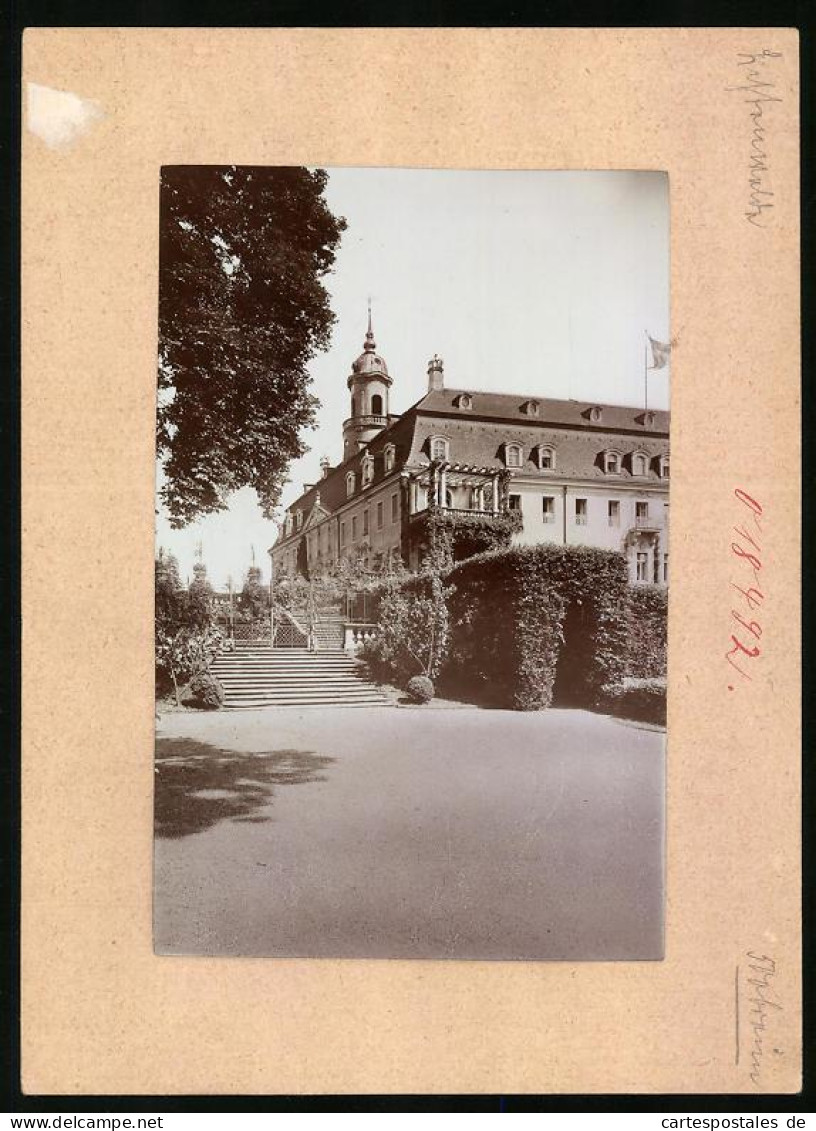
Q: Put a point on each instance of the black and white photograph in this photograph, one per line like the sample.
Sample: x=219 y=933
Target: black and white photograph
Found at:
x=412 y=563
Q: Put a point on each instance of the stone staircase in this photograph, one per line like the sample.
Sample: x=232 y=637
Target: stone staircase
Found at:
x=259 y=676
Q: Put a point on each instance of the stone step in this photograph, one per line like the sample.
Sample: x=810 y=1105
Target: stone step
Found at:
x=261 y=676
x=264 y=704
x=327 y=685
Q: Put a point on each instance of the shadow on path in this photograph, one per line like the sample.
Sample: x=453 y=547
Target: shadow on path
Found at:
x=197 y=785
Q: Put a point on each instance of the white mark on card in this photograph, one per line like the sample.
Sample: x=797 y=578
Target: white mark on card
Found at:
x=59 y=117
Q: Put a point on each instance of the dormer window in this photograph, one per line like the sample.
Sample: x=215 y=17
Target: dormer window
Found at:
x=530 y=408
x=298 y=519
x=664 y=467
x=640 y=464
x=464 y=400
x=389 y=453
x=512 y=455
x=287 y=526
x=596 y=414
x=367 y=469
x=545 y=454
x=439 y=449
x=612 y=462
x=350 y=484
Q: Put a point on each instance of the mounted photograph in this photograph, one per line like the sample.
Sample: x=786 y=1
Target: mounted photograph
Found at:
x=412 y=563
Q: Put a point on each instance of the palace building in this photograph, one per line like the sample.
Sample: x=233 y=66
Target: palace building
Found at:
x=567 y=472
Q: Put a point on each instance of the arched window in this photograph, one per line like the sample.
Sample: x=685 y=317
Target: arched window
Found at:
x=464 y=400
x=389 y=457
x=376 y=405
x=530 y=408
x=612 y=463
x=546 y=457
x=640 y=464
x=353 y=406
x=367 y=470
x=439 y=448
x=664 y=467
x=596 y=414
x=512 y=455
x=350 y=484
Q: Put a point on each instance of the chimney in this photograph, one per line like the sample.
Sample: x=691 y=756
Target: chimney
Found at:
x=325 y=467
x=307 y=487
x=436 y=379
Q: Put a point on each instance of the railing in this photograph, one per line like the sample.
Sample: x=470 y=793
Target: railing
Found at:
x=369 y=421
x=486 y=513
x=357 y=635
x=644 y=522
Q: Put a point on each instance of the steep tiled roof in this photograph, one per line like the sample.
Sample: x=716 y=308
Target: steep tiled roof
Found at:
x=510 y=406
x=477 y=437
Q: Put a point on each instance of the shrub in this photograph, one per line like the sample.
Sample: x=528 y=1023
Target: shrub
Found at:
x=641 y=699
x=412 y=637
x=522 y=617
x=457 y=535
x=648 y=615
x=420 y=689
x=206 y=691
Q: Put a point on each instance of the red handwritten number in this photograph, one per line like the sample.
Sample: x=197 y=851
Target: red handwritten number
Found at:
x=744 y=497
x=752 y=596
x=752 y=559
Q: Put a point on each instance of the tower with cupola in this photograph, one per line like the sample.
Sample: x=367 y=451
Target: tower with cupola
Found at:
x=368 y=384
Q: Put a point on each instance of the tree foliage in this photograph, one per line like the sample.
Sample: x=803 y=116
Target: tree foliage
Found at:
x=187 y=637
x=253 y=600
x=242 y=310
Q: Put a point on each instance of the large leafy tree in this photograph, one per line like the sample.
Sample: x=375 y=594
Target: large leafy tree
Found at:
x=242 y=310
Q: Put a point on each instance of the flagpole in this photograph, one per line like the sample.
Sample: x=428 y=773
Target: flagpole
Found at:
x=646 y=372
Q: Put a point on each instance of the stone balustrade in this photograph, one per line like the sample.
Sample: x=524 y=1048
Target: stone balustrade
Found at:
x=356 y=635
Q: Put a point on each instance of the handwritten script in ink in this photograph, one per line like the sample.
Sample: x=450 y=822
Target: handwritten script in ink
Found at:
x=758 y=87
x=746 y=552
x=764 y=1004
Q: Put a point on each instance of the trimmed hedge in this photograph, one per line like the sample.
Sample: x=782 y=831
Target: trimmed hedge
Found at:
x=520 y=616
x=420 y=689
x=643 y=700
x=648 y=620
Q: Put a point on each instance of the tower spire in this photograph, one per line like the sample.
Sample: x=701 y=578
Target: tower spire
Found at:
x=370 y=345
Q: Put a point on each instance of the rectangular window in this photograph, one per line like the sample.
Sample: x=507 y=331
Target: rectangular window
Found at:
x=514 y=502
x=613 y=508
x=642 y=567
x=641 y=510
x=342 y=533
x=580 y=512
x=379 y=516
x=354 y=529
x=365 y=522
x=665 y=569
x=548 y=508
x=394 y=508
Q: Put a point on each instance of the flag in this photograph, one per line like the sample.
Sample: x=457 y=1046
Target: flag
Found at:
x=660 y=353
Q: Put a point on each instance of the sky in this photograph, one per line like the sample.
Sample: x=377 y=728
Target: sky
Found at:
x=542 y=283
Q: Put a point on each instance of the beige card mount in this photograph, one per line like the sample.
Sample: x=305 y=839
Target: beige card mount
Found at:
x=104 y=109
